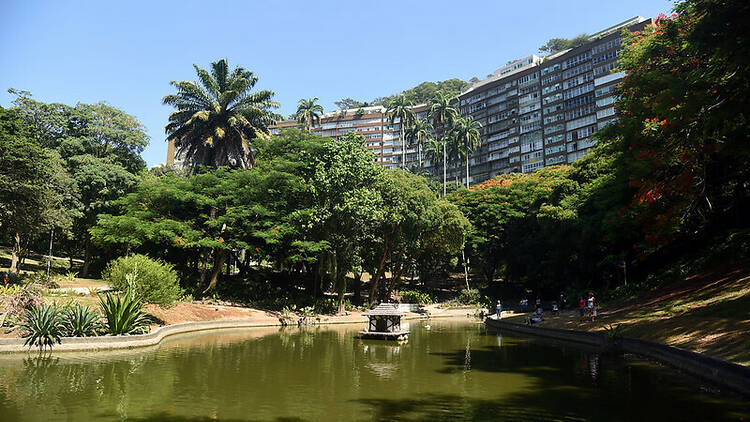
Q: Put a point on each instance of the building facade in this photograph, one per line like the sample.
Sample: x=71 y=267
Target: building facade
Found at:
x=537 y=112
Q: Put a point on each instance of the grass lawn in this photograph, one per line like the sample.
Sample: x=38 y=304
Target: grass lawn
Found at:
x=707 y=313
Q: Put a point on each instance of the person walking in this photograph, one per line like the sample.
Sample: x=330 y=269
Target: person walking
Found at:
x=499 y=310
x=590 y=305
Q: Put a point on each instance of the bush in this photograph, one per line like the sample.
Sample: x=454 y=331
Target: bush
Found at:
x=44 y=325
x=123 y=313
x=152 y=281
x=81 y=321
x=414 y=296
x=469 y=297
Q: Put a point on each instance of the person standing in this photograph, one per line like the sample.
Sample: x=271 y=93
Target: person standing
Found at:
x=581 y=306
x=591 y=304
x=499 y=310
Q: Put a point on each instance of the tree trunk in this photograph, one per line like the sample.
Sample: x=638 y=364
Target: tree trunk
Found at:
x=376 y=278
x=86 y=257
x=403 y=145
x=395 y=279
x=15 y=252
x=445 y=165
x=219 y=259
x=467 y=171
x=466 y=269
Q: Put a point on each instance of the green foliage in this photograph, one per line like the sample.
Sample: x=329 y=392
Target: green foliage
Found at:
x=426 y=91
x=415 y=296
x=556 y=45
x=123 y=313
x=613 y=332
x=152 y=280
x=469 y=297
x=43 y=326
x=80 y=321
x=309 y=112
x=218 y=121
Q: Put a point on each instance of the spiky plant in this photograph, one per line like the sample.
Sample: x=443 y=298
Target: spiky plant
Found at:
x=123 y=313
x=44 y=326
x=309 y=112
x=219 y=118
x=81 y=321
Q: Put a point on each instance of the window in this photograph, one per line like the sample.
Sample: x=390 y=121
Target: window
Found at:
x=526 y=168
x=602 y=70
x=579 y=101
x=554 y=128
x=579 y=90
x=601 y=125
x=554 y=138
x=576 y=70
x=552 y=78
x=531 y=117
x=551 y=69
x=608 y=78
x=610 y=111
x=553 y=109
x=555 y=160
x=552 y=98
x=606 y=90
x=528 y=108
x=606 y=56
x=528 y=98
x=581 y=111
x=581 y=133
x=577 y=60
x=570 y=83
x=552 y=88
x=606 y=46
x=575 y=124
x=554 y=118
x=606 y=101
x=530 y=127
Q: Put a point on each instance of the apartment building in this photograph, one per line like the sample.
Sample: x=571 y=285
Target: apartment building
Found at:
x=382 y=137
x=541 y=111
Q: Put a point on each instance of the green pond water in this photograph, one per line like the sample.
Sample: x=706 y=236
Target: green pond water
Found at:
x=455 y=370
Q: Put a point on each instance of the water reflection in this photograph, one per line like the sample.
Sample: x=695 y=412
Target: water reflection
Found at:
x=453 y=371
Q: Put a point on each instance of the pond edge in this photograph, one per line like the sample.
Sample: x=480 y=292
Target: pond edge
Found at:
x=718 y=371
x=82 y=344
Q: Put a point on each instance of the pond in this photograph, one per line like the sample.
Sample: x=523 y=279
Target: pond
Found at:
x=451 y=370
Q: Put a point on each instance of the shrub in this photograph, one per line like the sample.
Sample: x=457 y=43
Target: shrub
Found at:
x=414 y=296
x=9 y=290
x=469 y=297
x=123 y=313
x=153 y=281
x=25 y=298
x=81 y=321
x=44 y=326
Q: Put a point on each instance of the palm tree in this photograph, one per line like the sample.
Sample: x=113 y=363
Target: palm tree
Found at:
x=468 y=139
x=400 y=107
x=419 y=132
x=433 y=149
x=444 y=116
x=308 y=111
x=218 y=119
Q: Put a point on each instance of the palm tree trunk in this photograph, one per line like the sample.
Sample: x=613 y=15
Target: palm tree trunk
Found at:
x=15 y=252
x=445 y=165
x=419 y=153
x=467 y=171
x=403 y=145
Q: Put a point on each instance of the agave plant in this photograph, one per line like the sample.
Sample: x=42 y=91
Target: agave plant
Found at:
x=44 y=326
x=123 y=313
x=81 y=321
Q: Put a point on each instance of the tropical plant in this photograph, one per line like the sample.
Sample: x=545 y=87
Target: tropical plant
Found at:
x=419 y=133
x=468 y=139
x=400 y=108
x=152 y=280
x=613 y=332
x=414 y=296
x=43 y=325
x=218 y=120
x=123 y=313
x=469 y=297
x=80 y=321
x=309 y=112
x=444 y=115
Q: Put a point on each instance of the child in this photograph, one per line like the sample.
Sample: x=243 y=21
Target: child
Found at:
x=581 y=306
x=555 y=309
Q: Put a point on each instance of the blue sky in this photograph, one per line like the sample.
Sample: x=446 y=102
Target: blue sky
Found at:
x=126 y=53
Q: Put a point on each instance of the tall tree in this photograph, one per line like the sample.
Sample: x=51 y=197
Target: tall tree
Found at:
x=468 y=139
x=419 y=132
x=400 y=108
x=556 y=45
x=218 y=119
x=444 y=116
x=30 y=189
x=309 y=112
